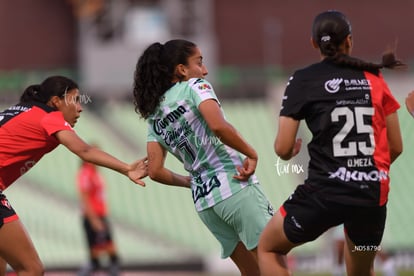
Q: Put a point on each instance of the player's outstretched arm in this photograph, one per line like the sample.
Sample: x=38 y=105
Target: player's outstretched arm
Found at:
x=135 y=171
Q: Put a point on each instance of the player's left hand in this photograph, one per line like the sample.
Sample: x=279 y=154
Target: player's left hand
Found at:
x=248 y=168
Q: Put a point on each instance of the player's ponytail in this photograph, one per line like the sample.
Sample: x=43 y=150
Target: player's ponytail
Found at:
x=52 y=86
x=155 y=71
x=32 y=94
x=329 y=31
x=390 y=61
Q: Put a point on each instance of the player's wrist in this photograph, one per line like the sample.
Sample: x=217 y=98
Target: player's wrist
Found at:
x=253 y=155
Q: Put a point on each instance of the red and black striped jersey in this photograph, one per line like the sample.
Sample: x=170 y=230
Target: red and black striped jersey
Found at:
x=345 y=110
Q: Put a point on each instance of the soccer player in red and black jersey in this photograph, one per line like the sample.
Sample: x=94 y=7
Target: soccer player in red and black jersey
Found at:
x=28 y=130
x=352 y=116
x=98 y=232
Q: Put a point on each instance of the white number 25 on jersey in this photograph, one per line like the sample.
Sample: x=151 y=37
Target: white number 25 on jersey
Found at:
x=353 y=119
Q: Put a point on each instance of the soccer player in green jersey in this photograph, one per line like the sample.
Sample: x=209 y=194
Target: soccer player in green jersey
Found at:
x=185 y=118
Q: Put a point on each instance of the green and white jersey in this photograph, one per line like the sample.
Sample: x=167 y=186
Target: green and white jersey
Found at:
x=180 y=128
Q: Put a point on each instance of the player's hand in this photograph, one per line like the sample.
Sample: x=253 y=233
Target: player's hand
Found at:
x=248 y=168
x=297 y=147
x=138 y=170
x=409 y=103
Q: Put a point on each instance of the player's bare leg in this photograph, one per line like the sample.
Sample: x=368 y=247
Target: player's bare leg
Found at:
x=358 y=262
x=273 y=248
x=245 y=261
x=16 y=248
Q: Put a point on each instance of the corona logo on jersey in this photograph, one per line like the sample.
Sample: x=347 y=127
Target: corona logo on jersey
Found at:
x=160 y=124
x=348 y=175
x=171 y=135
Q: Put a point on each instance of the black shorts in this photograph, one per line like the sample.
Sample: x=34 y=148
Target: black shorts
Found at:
x=308 y=214
x=7 y=213
x=97 y=239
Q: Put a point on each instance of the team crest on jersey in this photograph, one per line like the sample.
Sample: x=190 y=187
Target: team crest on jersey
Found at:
x=204 y=86
x=332 y=86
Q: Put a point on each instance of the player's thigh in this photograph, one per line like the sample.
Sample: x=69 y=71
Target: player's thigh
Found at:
x=365 y=226
x=252 y=212
x=223 y=232
x=16 y=247
x=358 y=261
x=245 y=260
x=273 y=237
x=307 y=215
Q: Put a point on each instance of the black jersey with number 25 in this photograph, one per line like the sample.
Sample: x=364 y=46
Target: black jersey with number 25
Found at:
x=345 y=110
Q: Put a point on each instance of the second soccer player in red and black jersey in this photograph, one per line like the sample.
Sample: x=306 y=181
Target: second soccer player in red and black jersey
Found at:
x=352 y=116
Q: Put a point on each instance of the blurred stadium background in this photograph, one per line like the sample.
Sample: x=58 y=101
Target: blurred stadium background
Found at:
x=250 y=50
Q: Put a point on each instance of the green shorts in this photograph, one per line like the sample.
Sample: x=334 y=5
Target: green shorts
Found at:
x=241 y=217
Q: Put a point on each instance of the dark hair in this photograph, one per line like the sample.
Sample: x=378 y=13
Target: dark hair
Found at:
x=330 y=29
x=155 y=71
x=52 y=86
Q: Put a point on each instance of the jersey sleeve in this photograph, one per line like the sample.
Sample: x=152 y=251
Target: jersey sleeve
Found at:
x=150 y=133
x=54 y=122
x=390 y=103
x=203 y=90
x=293 y=101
